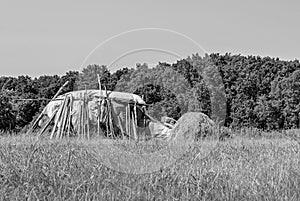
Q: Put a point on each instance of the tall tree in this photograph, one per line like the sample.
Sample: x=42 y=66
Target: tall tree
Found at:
x=88 y=78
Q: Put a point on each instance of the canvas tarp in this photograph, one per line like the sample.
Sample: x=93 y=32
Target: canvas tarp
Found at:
x=125 y=111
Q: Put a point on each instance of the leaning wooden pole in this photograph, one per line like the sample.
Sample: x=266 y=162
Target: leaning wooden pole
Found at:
x=64 y=118
x=61 y=119
x=70 y=116
x=109 y=124
x=48 y=123
x=110 y=118
x=128 y=123
x=135 y=122
x=99 y=105
x=134 y=127
x=60 y=111
x=87 y=120
x=84 y=114
x=34 y=125
x=80 y=118
x=107 y=119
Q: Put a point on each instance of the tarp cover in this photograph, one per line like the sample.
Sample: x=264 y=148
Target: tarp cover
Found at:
x=113 y=95
x=126 y=110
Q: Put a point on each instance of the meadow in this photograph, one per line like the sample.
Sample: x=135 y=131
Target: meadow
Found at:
x=265 y=166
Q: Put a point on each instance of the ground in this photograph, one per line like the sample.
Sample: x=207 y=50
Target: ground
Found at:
x=239 y=168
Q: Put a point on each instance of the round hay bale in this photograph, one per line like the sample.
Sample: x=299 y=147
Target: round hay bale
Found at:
x=192 y=124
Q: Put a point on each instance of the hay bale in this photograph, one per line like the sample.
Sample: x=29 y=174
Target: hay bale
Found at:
x=192 y=124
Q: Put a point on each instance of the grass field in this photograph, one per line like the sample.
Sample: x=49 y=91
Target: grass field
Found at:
x=241 y=168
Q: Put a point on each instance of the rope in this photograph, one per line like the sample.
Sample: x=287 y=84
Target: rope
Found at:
x=31 y=99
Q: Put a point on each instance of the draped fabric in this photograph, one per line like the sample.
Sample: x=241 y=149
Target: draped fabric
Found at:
x=123 y=111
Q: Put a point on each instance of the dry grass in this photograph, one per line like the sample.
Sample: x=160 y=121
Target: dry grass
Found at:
x=237 y=169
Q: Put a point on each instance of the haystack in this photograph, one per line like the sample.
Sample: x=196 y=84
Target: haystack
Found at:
x=192 y=124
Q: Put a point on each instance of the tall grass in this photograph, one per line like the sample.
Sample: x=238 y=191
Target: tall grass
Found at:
x=241 y=168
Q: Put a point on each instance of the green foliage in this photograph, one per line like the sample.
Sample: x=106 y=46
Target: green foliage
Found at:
x=72 y=77
x=7 y=114
x=24 y=87
x=260 y=92
x=88 y=78
x=202 y=99
x=162 y=102
x=150 y=93
x=47 y=85
x=286 y=98
x=188 y=71
x=161 y=88
x=26 y=110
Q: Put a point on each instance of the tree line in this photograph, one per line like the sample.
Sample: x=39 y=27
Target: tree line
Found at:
x=260 y=92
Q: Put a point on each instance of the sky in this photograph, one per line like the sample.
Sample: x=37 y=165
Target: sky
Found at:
x=52 y=37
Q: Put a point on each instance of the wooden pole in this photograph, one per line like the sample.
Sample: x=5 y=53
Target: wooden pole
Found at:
x=79 y=123
x=99 y=105
x=81 y=120
x=134 y=128
x=70 y=116
x=85 y=114
x=61 y=118
x=128 y=121
x=64 y=117
x=67 y=122
x=108 y=127
x=87 y=118
x=120 y=125
x=82 y=117
x=48 y=122
x=136 y=121
x=111 y=126
x=34 y=125
x=107 y=119
x=58 y=119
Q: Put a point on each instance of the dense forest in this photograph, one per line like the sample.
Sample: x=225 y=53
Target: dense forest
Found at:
x=259 y=92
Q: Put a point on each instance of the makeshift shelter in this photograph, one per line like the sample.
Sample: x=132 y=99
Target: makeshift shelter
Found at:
x=87 y=113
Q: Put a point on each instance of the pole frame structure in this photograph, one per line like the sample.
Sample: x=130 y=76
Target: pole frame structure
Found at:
x=34 y=125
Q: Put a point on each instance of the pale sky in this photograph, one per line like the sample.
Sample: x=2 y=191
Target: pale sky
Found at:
x=52 y=37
